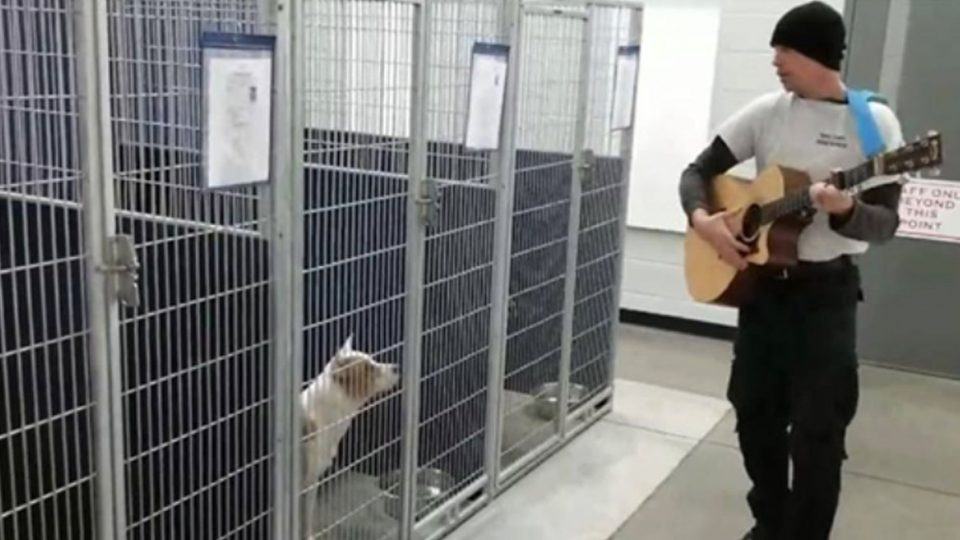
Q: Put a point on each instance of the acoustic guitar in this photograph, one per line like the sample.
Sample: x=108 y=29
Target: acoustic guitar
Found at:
x=769 y=213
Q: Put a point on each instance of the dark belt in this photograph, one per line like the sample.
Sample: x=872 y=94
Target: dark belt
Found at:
x=811 y=271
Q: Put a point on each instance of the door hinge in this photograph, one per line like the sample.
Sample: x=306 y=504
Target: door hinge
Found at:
x=429 y=201
x=123 y=265
x=588 y=165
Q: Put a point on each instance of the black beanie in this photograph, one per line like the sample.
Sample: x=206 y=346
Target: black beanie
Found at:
x=815 y=30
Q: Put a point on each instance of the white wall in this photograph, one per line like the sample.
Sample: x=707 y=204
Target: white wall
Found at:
x=653 y=260
x=676 y=76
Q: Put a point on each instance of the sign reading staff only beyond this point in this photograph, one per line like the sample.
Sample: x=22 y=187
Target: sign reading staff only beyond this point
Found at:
x=930 y=210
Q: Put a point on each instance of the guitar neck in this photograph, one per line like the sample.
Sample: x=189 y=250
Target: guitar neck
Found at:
x=925 y=153
x=800 y=201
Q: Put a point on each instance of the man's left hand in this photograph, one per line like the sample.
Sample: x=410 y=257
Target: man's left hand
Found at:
x=830 y=199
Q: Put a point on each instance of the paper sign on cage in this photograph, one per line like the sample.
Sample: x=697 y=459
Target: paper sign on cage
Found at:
x=625 y=87
x=488 y=75
x=237 y=104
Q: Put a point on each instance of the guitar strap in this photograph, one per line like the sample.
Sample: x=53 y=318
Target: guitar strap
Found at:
x=870 y=139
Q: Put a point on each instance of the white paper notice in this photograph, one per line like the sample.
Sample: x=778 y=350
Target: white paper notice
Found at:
x=238 y=96
x=930 y=210
x=487 y=85
x=625 y=87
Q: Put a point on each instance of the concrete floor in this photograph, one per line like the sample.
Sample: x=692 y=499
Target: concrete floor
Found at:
x=593 y=484
x=664 y=465
x=902 y=480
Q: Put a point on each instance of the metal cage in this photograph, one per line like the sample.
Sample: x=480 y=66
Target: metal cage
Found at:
x=50 y=378
x=161 y=340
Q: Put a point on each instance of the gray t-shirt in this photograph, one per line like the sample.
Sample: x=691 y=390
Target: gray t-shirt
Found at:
x=813 y=136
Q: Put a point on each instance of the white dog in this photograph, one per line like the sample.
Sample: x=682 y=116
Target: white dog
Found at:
x=349 y=380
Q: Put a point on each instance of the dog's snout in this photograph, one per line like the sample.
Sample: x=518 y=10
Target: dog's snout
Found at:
x=393 y=374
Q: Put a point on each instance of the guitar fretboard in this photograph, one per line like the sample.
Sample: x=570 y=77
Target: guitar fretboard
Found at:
x=799 y=201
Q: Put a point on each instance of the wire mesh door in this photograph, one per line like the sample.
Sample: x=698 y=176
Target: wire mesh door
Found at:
x=358 y=61
x=48 y=472
x=548 y=139
x=195 y=355
x=459 y=251
x=387 y=86
x=603 y=210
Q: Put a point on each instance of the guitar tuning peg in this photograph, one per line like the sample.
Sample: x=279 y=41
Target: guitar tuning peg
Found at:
x=932 y=133
x=935 y=171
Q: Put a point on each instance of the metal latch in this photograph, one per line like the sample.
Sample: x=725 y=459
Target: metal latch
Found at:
x=123 y=265
x=429 y=201
x=588 y=163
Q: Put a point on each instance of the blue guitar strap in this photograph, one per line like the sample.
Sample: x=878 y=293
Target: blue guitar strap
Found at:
x=870 y=139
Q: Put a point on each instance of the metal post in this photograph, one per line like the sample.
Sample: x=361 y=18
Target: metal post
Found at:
x=626 y=154
x=416 y=232
x=285 y=217
x=511 y=23
x=99 y=225
x=573 y=228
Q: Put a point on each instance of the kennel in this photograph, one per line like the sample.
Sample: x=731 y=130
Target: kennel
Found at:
x=156 y=333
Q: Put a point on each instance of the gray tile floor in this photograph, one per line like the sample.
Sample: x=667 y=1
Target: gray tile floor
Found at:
x=901 y=482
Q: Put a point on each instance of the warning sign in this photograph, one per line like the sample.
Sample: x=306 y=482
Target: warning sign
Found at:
x=930 y=210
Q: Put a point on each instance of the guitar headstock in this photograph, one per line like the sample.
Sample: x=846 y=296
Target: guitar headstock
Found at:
x=923 y=154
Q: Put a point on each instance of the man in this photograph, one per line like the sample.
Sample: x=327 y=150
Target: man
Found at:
x=794 y=383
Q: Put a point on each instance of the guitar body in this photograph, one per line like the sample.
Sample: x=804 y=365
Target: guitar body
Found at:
x=709 y=278
x=767 y=215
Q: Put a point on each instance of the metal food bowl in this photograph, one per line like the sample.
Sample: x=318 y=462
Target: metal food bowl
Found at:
x=432 y=484
x=548 y=397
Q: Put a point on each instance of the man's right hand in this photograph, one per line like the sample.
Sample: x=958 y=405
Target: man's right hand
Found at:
x=716 y=230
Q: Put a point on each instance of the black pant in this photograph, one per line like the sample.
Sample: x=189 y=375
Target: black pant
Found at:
x=794 y=388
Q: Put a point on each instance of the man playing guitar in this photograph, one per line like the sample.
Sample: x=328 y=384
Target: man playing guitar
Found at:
x=795 y=362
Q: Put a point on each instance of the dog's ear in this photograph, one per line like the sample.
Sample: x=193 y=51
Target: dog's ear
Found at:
x=346 y=355
x=347 y=348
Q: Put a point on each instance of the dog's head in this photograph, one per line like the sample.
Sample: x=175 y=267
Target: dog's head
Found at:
x=359 y=375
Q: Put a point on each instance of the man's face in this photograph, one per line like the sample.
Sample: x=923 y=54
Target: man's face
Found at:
x=796 y=72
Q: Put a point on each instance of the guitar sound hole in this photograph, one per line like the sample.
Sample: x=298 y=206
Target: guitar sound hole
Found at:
x=750 y=228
